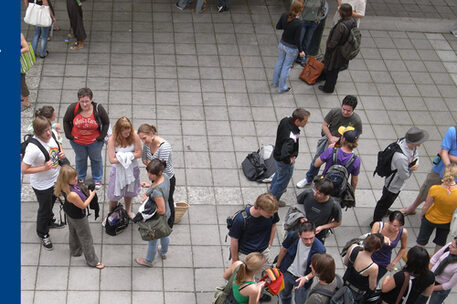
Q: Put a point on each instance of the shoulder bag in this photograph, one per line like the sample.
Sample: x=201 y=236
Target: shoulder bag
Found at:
x=38 y=15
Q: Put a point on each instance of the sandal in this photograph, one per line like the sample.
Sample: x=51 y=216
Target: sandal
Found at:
x=46 y=55
x=77 y=45
x=100 y=265
x=56 y=28
x=164 y=257
x=142 y=262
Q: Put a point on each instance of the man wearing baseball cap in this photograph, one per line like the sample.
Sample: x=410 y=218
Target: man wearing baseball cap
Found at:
x=403 y=164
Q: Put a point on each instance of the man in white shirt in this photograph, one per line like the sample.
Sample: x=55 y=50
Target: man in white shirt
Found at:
x=41 y=161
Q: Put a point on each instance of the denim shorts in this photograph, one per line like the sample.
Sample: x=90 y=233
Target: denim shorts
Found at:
x=426 y=229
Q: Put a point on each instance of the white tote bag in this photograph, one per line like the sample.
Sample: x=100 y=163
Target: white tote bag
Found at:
x=38 y=15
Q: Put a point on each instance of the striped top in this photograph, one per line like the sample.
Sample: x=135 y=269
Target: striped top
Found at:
x=164 y=152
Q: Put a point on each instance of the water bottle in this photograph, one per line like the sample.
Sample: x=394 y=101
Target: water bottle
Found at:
x=113 y=218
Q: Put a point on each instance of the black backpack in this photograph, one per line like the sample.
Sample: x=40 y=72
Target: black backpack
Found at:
x=117 y=220
x=232 y=217
x=260 y=165
x=384 y=164
x=28 y=138
x=338 y=174
x=341 y=295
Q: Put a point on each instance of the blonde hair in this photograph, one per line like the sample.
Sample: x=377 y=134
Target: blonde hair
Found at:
x=267 y=202
x=122 y=124
x=66 y=174
x=252 y=264
x=449 y=175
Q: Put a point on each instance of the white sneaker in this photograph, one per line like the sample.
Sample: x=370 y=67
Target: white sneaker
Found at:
x=303 y=183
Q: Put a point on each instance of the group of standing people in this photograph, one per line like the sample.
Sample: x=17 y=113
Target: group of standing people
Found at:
x=302 y=32
x=87 y=126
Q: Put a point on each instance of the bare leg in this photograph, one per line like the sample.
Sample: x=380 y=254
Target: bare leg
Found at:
x=411 y=209
x=128 y=205
x=112 y=205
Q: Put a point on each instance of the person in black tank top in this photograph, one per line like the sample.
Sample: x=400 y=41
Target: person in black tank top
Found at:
x=76 y=201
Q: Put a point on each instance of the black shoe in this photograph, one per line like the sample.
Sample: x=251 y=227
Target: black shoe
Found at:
x=55 y=225
x=46 y=242
x=265 y=298
x=321 y=87
x=178 y=7
x=222 y=8
x=286 y=90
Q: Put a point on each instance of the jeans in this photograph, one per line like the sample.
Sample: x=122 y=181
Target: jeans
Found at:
x=313 y=48
x=289 y=286
x=322 y=144
x=152 y=248
x=286 y=58
x=94 y=152
x=281 y=179
x=438 y=297
x=44 y=33
x=307 y=34
x=45 y=217
x=183 y=3
x=383 y=205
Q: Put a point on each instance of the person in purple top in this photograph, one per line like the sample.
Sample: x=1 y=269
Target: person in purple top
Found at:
x=393 y=232
x=344 y=154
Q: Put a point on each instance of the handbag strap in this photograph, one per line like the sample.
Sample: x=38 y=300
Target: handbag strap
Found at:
x=229 y=285
x=403 y=287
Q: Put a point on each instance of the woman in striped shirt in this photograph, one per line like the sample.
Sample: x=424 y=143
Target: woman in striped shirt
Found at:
x=157 y=147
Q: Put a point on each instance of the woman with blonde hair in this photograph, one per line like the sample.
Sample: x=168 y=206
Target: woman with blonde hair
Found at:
x=76 y=202
x=245 y=289
x=124 y=147
x=438 y=209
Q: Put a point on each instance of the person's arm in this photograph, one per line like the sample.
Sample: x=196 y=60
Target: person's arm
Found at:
x=234 y=249
x=400 y=163
x=281 y=255
x=105 y=122
x=332 y=224
x=427 y=204
x=74 y=198
x=388 y=284
x=68 y=121
x=24 y=44
x=272 y=234
x=111 y=151
x=428 y=291
x=45 y=3
x=28 y=169
x=348 y=254
x=254 y=291
x=359 y=10
x=402 y=251
x=137 y=141
x=373 y=277
x=354 y=181
x=279 y=25
x=446 y=157
x=318 y=162
x=331 y=139
x=160 y=202
x=144 y=154
x=337 y=33
x=287 y=151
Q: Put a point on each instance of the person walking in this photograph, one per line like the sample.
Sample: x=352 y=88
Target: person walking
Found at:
x=290 y=45
x=75 y=14
x=286 y=150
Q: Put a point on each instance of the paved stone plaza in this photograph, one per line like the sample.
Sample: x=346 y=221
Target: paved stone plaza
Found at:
x=205 y=82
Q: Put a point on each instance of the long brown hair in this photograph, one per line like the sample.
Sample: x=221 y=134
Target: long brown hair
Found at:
x=66 y=174
x=122 y=124
x=295 y=8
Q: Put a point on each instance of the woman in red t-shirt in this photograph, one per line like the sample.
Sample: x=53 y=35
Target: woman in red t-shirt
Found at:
x=86 y=126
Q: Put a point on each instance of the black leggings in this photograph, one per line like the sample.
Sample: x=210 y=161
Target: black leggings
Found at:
x=45 y=217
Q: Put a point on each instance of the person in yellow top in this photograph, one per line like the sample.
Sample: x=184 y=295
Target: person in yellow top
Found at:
x=438 y=209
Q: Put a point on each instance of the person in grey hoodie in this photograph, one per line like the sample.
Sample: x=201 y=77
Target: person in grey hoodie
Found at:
x=403 y=164
x=312 y=13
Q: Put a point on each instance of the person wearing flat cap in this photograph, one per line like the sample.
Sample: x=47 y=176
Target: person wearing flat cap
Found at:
x=403 y=164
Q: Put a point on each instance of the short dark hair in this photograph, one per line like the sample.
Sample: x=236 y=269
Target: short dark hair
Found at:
x=306 y=227
x=350 y=100
x=345 y=10
x=324 y=266
x=372 y=243
x=300 y=114
x=156 y=166
x=85 y=92
x=397 y=215
x=324 y=185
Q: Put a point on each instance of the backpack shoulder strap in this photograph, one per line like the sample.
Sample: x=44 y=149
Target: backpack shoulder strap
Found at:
x=75 y=111
x=334 y=155
x=355 y=251
x=42 y=149
x=229 y=285
x=351 y=161
x=403 y=287
x=55 y=138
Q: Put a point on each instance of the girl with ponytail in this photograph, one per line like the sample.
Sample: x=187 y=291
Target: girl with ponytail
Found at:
x=245 y=289
x=158 y=195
